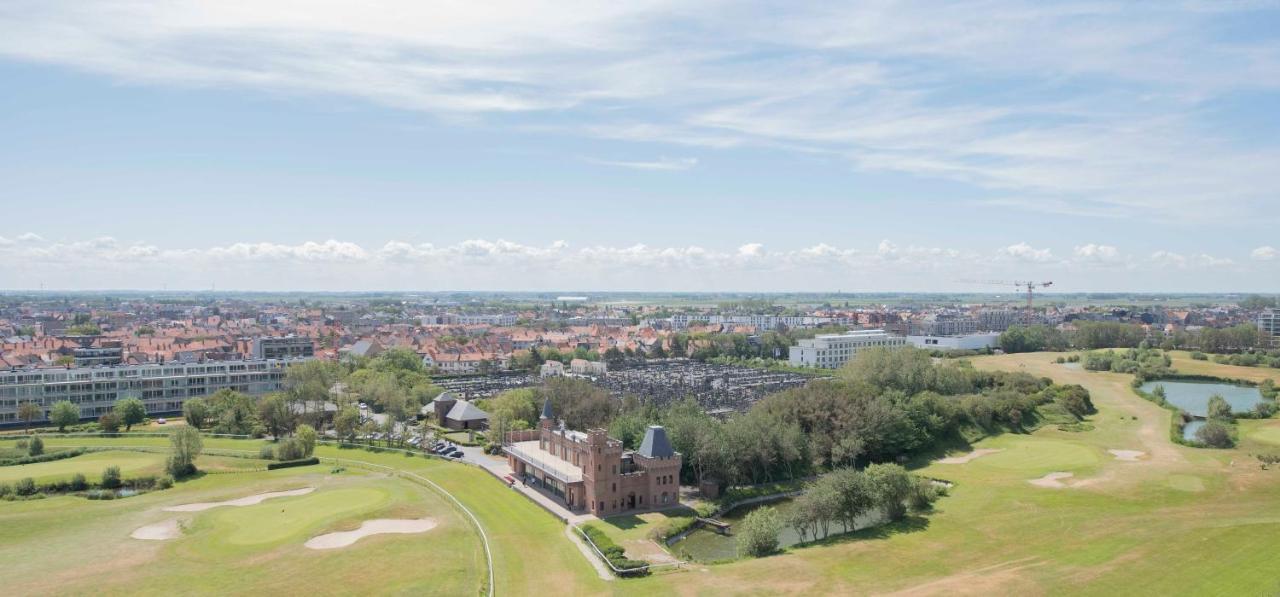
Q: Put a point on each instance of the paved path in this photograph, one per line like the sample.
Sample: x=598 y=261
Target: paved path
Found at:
x=601 y=569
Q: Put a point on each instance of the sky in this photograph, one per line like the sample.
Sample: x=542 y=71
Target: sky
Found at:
x=642 y=145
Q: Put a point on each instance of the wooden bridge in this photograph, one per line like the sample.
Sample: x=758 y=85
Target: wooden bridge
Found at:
x=718 y=525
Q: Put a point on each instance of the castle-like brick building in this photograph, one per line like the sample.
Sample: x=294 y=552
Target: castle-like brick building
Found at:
x=591 y=472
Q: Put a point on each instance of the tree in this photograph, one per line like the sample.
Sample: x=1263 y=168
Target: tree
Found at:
x=109 y=422
x=131 y=412
x=758 y=532
x=185 y=446
x=274 y=414
x=1215 y=435
x=35 y=447
x=892 y=485
x=64 y=413
x=307 y=436
x=346 y=422
x=196 y=412
x=234 y=413
x=1219 y=409
x=28 y=412
x=614 y=357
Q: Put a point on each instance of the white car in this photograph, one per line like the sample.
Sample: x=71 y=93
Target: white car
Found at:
x=161 y=421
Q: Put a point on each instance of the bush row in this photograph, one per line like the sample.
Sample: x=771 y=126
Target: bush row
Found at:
x=46 y=457
x=271 y=466
x=614 y=553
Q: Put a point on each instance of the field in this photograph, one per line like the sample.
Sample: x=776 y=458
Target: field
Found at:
x=132 y=464
x=1177 y=520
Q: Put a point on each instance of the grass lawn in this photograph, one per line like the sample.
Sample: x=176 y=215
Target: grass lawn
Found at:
x=69 y=545
x=1183 y=363
x=91 y=465
x=1178 y=521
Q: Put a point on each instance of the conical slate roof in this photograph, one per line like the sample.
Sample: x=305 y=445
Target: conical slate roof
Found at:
x=546 y=410
x=655 y=444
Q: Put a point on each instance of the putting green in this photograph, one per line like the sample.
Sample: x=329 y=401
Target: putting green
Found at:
x=1033 y=456
x=90 y=465
x=280 y=519
x=1266 y=432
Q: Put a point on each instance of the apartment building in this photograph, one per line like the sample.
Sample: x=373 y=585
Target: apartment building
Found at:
x=283 y=347
x=1269 y=326
x=830 y=351
x=162 y=387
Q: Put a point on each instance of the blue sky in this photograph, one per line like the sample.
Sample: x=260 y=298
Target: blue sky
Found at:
x=644 y=145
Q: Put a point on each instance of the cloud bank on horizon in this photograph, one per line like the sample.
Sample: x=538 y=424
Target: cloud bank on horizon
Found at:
x=1150 y=112
x=102 y=263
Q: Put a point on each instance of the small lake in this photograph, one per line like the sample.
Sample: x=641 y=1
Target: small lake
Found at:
x=1189 y=430
x=704 y=545
x=1193 y=396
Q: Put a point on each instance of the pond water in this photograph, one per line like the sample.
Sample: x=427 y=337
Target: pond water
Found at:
x=1193 y=396
x=1189 y=430
x=705 y=545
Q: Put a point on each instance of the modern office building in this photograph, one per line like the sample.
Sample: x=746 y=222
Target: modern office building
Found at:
x=162 y=387
x=830 y=351
x=1269 y=326
x=283 y=347
x=590 y=472
x=962 y=342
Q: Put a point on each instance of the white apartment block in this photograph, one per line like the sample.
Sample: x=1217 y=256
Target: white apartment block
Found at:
x=830 y=351
x=162 y=387
x=1269 y=326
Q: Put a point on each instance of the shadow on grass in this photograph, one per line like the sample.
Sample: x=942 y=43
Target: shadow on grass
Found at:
x=630 y=521
x=954 y=442
x=910 y=524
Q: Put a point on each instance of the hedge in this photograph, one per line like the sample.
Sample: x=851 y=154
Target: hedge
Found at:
x=614 y=553
x=46 y=457
x=271 y=466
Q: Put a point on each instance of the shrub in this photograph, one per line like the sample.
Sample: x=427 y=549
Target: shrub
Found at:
x=266 y=453
x=290 y=449
x=164 y=482
x=6 y=491
x=291 y=463
x=923 y=494
x=758 y=532
x=79 y=483
x=25 y=487
x=111 y=477
x=1215 y=435
x=1199 y=356
x=109 y=423
x=36 y=447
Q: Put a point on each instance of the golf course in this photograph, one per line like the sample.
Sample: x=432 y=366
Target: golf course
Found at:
x=1115 y=508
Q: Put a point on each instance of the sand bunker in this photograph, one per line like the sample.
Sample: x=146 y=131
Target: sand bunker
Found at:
x=967 y=457
x=158 y=532
x=1127 y=455
x=1052 y=480
x=244 y=501
x=371 y=527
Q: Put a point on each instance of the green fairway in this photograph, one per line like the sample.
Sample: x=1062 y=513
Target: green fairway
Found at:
x=1178 y=520
x=69 y=545
x=90 y=465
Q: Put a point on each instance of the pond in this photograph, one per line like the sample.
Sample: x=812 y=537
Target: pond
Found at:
x=703 y=545
x=1189 y=430
x=1193 y=396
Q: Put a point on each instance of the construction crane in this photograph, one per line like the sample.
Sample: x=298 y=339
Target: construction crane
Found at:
x=1030 y=286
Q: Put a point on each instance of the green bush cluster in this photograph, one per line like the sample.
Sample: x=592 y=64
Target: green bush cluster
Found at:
x=45 y=457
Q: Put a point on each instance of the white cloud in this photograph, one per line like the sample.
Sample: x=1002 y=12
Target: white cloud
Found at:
x=1088 y=108
x=30 y=237
x=1025 y=252
x=1265 y=253
x=662 y=163
x=334 y=264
